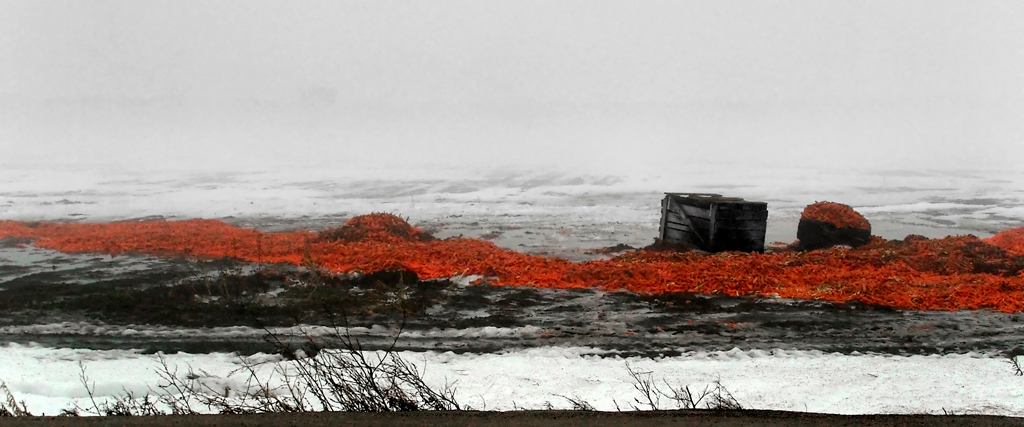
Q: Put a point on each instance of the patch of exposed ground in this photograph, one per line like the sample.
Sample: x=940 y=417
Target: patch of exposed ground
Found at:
x=187 y=306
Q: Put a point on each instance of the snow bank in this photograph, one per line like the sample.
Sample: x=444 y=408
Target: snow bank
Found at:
x=48 y=378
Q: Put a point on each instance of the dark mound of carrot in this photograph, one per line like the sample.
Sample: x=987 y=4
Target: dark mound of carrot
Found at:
x=836 y=214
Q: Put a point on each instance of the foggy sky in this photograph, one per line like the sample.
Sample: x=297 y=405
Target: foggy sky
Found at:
x=909 y=84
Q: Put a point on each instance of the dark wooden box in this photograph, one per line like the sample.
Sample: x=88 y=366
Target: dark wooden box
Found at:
x=713 y=223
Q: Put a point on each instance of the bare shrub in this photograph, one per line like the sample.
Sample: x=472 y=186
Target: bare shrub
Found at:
x=125 y=405
x=331 y=372
x=12 y=408
x=644 y=383
x=328 y=373
x=721 y=399
x=577 y=403
x=1016 y=365
x=714 y=396
x=344 y=377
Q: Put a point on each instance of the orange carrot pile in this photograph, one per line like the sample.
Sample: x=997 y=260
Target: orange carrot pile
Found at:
x=915 y=273
x=1011 y=240
x=376 y=226
x=837 y=214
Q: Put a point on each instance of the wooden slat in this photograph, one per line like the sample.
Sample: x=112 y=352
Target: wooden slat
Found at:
x=678 y=206
x=682 y=238
x=741 y=225
x=698 y=226
x=664 y=216
x=743 y=206
x=678 y=226
x=743 y=215
x=706 y=202
x=698 y=223
x=711 y=225
x=693 y=211
x=698 y=203
x=736 y=235
x=706 y=195
x=733 y=234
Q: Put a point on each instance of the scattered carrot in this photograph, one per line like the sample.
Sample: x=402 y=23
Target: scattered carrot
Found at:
x=915 y=273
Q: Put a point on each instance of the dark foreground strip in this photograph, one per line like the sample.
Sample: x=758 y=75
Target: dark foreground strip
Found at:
x=529 y=418
x=169 y=295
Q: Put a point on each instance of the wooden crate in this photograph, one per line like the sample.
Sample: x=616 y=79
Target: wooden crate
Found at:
x=713 y=223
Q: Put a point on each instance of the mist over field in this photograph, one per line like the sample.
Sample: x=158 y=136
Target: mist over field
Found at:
x=579 y=86
x=174 y=144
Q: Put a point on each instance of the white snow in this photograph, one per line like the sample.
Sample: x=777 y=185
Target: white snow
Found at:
x=562 y=198
x=47 y=379
x=915 y=207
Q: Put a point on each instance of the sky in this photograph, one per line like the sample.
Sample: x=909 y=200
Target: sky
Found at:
x=579 y=85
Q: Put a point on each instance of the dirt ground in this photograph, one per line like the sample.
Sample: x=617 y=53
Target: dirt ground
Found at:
x=92 y=299
x=528 y=419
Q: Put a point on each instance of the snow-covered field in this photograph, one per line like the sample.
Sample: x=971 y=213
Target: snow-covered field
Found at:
x=568 y=211
x=49 y=379
x=935 y=203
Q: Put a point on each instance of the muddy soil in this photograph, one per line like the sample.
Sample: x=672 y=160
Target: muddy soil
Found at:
x=154 y=304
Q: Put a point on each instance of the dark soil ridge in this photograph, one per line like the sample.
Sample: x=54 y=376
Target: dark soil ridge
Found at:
x=448 y=316
x=529 y=419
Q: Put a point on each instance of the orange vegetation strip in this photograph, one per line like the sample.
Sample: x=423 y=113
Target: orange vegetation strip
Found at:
x=917 y=273
x=837 y=214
